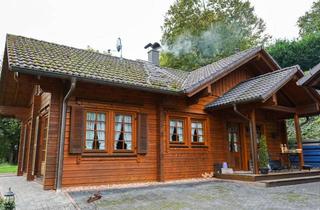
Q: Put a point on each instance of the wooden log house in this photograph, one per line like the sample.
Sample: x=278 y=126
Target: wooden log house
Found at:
x=91 y=119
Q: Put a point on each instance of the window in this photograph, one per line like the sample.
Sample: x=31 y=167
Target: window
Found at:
x=176 y=131
x=123 y=132
x=233 y=138
x=197 y=135
x=95 y=131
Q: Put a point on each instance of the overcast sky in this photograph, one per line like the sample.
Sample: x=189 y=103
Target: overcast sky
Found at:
x=99 y=23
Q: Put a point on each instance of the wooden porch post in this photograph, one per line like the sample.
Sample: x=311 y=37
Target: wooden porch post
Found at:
x=21 y=150
x=33 y=138
x=299 y=139
x=254 y=141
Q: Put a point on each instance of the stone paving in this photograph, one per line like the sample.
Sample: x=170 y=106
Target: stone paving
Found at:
x=31 y=196
x=209 y=194
x=206 y=195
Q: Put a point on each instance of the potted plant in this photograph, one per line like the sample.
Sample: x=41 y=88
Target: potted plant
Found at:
x=263 y=156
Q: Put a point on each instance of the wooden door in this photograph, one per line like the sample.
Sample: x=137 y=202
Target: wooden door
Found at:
x=234 y=146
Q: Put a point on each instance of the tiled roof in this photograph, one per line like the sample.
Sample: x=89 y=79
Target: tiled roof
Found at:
x=256 y=89
x=312 y=75
x=40 y=57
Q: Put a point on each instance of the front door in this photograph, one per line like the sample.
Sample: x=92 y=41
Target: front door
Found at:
x=234 y=146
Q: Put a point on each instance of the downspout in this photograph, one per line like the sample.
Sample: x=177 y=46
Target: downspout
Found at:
x=250 y=128
x=62 y=134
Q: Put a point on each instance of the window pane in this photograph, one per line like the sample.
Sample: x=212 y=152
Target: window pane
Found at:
x=123 y=132
x=129 y=145
x=101 y=135
x=95 y=125
x=193 y=125
x=200 y=132
x=200 y=138
x=127 y=128
x=90 y=125
x=89 y=135
x=127 y=136
x=101 y=117
x=127 y=119
x=172 y=123
x=119 y=118
x=91 y=116
x=117 y=136
x=89 y=144
x=101 y=126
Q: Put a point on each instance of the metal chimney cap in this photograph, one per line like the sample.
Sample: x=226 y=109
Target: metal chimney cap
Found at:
x=154 y=46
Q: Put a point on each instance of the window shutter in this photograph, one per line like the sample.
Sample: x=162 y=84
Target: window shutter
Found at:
x=76 y=130
x=142 y=141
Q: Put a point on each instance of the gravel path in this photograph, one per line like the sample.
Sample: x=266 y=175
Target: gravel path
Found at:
x=206 y=195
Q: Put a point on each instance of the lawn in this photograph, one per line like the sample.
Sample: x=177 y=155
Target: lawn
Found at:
x=7 y=168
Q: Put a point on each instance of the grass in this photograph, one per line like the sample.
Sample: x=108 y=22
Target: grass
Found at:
x=7 y=168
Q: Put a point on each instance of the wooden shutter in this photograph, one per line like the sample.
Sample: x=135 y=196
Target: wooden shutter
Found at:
x=142 y=141
x=76 y=130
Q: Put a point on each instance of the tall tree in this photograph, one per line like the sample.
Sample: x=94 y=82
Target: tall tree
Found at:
x=9 y=140
x=310 y=22
x=304 y=51
x=198 y=32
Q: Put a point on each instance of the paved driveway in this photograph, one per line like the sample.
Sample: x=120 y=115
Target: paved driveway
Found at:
x=196 y=195
x=31 y=196
x=206 y=195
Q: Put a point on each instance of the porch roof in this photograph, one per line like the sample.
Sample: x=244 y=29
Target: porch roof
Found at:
x=256 y=89
x=311 y=79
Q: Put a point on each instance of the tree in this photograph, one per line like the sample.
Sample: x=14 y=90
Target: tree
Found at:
x=197 y=32
x=310 y=22
x=304 y=51
x=9 y=140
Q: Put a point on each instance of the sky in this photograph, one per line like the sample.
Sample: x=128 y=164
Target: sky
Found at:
x=98 y=23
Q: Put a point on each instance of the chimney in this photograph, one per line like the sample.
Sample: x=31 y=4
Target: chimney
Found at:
x=153 y=53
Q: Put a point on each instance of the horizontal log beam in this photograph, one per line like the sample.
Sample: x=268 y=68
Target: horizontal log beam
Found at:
x=13 y=111
x=308 y=109
x=280 y=108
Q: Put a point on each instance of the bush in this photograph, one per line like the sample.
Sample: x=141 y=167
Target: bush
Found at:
x=263 y=153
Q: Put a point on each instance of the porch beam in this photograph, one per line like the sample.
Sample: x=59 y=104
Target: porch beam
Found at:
x=280 y=108
x=299 y=139
x=308 y=109
x=14 y=111
x=254 y=141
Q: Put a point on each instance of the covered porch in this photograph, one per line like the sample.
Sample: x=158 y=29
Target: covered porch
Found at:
x=258 y=108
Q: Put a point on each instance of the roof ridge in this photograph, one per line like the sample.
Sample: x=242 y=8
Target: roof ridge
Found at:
x=63 y=45
x=273 y=72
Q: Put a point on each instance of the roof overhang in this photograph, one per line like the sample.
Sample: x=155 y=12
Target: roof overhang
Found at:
x=312 y=79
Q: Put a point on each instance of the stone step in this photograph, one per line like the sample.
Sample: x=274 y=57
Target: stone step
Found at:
x=297 y=174
x=290 y=181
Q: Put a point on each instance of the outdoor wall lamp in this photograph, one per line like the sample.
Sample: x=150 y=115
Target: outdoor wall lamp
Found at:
x=9 y=200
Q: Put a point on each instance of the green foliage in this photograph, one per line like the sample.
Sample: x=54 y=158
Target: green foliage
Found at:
x=5 y=205
x=9 y=139
x=304 y=52
x=197 y=32
x=263 y=153
x=310 y=131
x=309 y=23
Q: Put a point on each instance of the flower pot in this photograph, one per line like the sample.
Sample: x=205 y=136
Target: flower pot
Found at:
x=264 y=170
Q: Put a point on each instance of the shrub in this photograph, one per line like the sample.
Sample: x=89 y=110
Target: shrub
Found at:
x=263 y=153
